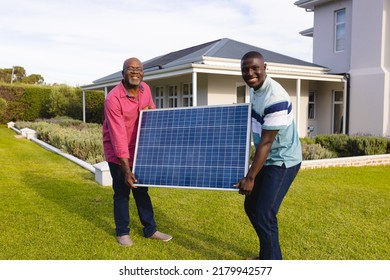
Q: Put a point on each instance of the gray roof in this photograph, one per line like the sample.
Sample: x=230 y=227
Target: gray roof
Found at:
x=222 y=48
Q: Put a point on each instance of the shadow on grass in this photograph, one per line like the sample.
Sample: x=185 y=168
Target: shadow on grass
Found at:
x=88 y=201
x=204 y=244
x=94 y=204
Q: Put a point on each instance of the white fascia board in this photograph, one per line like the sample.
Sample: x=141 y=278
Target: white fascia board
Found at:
x=277 y=67
x=310 y=4
x=224 y=62
x=322 y=78
x=100 y=85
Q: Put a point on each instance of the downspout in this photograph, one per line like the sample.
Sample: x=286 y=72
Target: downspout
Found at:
x=347 y=90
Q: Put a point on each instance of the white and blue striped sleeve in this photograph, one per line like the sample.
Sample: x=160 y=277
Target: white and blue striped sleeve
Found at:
x=278 y=116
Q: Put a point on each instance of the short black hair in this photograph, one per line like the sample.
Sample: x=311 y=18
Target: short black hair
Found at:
x=252 y=54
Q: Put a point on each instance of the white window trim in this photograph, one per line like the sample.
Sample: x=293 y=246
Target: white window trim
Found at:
x=188 y=96
x=334 y=102
x=247 y=92
x=174 y=98
x=314 y=105
x=336 y=25
x=159 y=100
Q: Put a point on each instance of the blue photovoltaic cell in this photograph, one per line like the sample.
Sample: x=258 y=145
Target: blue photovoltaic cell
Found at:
x=196 y=147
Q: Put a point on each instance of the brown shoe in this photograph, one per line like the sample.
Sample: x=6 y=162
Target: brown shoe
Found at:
x=124 y=240
x=161 y=236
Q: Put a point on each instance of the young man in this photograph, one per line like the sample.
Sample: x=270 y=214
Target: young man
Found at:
x=121 y=110
x=278 y=154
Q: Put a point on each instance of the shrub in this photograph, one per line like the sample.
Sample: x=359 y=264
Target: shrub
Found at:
x=388 y=146
x=367 y=145
x=3 y=110
x=333 y=142
x=94 y=106
x=82 y=140
x=28 y=102
x=307 y=140
x=316 y=151
x=57 y=103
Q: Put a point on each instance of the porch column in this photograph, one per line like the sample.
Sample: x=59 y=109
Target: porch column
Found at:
x=84 y=119
x=298 y=101
x=105 y=92
x=194 y=89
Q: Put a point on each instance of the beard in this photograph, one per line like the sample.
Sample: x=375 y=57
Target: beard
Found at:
x=132 y=82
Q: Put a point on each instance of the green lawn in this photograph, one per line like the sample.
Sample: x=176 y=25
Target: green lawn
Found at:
x=51 y=208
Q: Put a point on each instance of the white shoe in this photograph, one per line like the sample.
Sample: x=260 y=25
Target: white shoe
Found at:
x=124 y=240
x=161 y=236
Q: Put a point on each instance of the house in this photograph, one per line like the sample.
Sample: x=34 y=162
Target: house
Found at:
x=352 y=38
x=210 y=74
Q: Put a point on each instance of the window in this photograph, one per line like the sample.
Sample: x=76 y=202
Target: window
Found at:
x=240 y=93
x=339 y=30
x=172 y=96
x=311 y=108
x=338 y=110
x=187 y=95
x=159 y=100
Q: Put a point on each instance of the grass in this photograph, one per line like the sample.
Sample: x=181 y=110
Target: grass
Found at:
x=52 y=209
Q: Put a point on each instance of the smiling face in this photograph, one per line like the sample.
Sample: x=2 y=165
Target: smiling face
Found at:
x=132 y=72
x=253 y=70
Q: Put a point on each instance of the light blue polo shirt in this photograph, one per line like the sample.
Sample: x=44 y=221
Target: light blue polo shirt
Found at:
x=272 y=110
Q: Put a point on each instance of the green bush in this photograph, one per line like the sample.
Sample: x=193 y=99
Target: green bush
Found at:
x=316 y=151
x=94 y=106
x=3 y=109
x=355 y=145
x=307 y=140
x=333 y=142
x=15 y=106
x=388 y=146
x=29 y=102
x=82 y=140
x=367 y=145
x=33 y=98
x=58 y=101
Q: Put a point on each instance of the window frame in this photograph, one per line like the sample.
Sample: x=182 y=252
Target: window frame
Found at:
x=339 y=30
x=311 y=116
x=173 y=96
x=159 y=97
x=187 y=95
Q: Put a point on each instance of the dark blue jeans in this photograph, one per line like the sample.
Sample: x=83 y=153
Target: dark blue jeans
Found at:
x=121 y=204
x=262 y=206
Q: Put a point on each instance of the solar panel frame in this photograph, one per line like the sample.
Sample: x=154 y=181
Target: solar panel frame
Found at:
x=163 y=160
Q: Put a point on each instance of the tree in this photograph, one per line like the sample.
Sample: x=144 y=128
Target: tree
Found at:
x=35 y=79
x=17 y=74
x=5 y=75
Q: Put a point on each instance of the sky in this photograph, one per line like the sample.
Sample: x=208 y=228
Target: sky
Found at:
x=75 y=42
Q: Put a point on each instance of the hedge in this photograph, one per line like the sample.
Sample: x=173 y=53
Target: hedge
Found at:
x=30 y=102
x=353 y=145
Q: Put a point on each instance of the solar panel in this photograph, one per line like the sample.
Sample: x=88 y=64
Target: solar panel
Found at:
x=197 y=147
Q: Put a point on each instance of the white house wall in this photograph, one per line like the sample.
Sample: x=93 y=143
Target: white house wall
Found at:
x=202 y=89
x=370 y=78
x=323 y=39
x=222 y=89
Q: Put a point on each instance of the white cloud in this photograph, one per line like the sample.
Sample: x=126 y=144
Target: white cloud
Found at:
x=76 y=42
